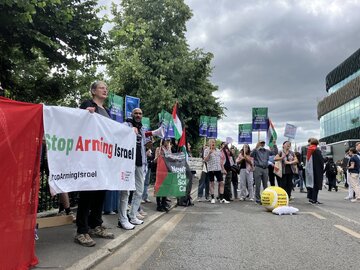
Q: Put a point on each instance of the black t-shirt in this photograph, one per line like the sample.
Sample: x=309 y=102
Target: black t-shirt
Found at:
x=356 y=160
x=243 y=164
x=138 y=161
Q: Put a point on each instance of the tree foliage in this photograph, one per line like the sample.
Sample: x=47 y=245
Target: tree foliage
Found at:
x=150 y=58
x=48 y=49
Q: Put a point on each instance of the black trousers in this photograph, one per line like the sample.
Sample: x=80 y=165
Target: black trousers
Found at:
x=332 y=181
x=271 y=175
x=312 y=193
x=286 y=183
x=227 y=186
x=161 y=201
x=89 y=212
x=235 y=183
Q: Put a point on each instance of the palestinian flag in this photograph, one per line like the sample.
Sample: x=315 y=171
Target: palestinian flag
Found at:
x=271 y=134
x=309 y=166
x=182 y=143
x=172 y=175
x=177 y=122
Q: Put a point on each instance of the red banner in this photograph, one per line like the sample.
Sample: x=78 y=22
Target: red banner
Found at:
x=21 y=133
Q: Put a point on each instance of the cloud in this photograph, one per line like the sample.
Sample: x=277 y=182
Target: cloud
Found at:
x=274 y=54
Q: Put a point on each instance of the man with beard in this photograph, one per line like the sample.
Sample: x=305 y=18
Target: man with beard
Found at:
x=140 y=164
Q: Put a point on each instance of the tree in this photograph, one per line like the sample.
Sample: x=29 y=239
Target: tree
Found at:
x=148 y=57
x=48 y=49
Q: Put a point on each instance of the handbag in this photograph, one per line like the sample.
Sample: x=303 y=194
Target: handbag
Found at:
x=235 y=168
x=278 y=168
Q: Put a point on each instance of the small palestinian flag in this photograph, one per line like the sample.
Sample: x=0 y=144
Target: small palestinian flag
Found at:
x=177 y=122
x=172 y=175
x=271 y=134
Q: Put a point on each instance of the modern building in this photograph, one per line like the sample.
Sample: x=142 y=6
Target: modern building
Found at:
x=339 y=112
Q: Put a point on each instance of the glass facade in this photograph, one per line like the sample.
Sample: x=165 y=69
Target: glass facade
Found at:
x=343 y=118
x=337 y=86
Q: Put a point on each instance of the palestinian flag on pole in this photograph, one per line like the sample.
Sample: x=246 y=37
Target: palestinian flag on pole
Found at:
x=172 y=175
x=178 y=129
x=182 y=143
x=271 y=134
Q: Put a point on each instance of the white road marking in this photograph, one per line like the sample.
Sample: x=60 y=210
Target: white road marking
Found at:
x=347 y=230
x=340 y=216
x=136 y=260
x=315 y=215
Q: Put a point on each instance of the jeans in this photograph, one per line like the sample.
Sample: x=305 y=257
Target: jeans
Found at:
x=146 y=185
x=260 y=176
x=203 y=184
x=111 y=201
x=137 y=195
x=123 y=203
x=246 y=179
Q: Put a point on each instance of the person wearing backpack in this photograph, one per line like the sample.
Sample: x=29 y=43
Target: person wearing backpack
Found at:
x=331 y=172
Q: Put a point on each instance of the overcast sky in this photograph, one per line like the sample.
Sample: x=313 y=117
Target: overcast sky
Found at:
x=274 y=54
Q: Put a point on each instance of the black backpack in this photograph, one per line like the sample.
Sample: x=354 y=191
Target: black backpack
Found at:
x=332 y=169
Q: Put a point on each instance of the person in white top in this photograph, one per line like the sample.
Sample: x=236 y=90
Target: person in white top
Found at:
x=216 y=169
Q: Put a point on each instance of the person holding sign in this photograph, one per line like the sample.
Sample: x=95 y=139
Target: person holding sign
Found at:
x=212 y=157
x=246 y=164
x=89 y=213
x=261 y=159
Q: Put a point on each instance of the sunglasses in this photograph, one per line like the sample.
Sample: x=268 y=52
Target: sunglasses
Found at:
x=139 y=113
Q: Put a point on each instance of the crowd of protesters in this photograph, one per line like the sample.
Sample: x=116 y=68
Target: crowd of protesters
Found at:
x=252 y=170
x=238 y=176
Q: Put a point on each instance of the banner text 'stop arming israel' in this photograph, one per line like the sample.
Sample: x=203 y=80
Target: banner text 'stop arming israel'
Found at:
x=87 y=151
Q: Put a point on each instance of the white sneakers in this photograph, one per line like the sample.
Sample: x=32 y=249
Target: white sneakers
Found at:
x=224 y=201
x=126 y=225
x=221 y=201
x=136 y=221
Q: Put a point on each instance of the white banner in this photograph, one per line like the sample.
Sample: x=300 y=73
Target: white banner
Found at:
x=87 y=151
x=290 y=131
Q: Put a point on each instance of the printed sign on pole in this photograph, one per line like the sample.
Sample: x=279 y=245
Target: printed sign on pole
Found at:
x=130 y=104
x=145 y=121
x=167 y=122
x=290 y=131
x=260 y=119
x=204 y=124
x=116 y=107
x=212 y=128
x=245 y=133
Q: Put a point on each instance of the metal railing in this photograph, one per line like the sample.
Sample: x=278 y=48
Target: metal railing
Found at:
x=48 y=202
